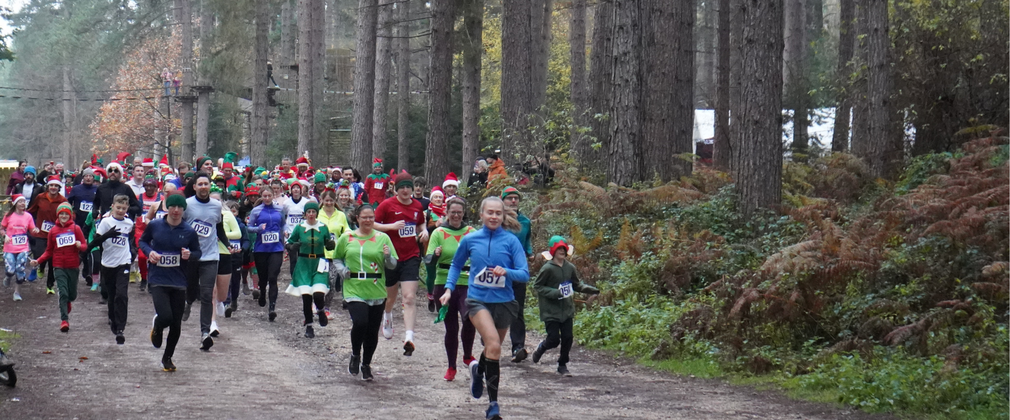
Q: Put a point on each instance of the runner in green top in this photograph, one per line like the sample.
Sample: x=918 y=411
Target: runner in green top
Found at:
x=363 y=256
x=311 y=279
x=442 y=246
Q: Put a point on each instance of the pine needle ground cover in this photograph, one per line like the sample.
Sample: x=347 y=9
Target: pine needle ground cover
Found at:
x=878 y=295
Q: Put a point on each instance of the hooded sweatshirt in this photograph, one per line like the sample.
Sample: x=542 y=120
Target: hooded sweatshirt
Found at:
x=62 y=247
x=487 y=249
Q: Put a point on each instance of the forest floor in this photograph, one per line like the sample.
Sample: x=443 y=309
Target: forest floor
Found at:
x=259 y=369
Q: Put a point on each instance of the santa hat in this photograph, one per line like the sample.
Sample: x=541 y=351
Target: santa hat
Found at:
x=450 y=179
x=302 y=161
x=114 y=165
x=376 y=162
x=163 y=161
x=437 y=190
x=148 y=163
x=17 y=197
x=54 y=179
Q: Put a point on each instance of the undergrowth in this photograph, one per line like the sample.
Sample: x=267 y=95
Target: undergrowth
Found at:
x=885 y=297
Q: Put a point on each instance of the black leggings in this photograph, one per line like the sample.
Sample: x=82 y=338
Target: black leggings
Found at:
x=234 y=285
x=365 y=323
x=269 y=266
x=169 y=304
x=307 y=305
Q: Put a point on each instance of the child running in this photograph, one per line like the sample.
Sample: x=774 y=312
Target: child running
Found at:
x=66 y=242
x=115 y=235
x=555 y=284
x=17 y=224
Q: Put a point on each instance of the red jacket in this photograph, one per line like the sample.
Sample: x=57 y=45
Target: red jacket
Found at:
x=64 y=256
x=43 y=209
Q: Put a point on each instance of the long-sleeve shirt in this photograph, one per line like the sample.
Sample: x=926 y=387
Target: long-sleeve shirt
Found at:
x=82 y=198
x=107 y=192
x=487 y=249
x=62 y=246
x=169 y=241
x=43 y=209
x=555 y=285
x=232 y=231
x=268 y=238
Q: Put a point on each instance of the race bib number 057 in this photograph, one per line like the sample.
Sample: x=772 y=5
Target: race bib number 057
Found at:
x=487 y=278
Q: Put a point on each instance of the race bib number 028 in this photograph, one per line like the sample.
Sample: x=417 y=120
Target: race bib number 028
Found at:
x=487 y=278
x=202 y=228
x=408 y=230
x=169 y=260
x=19 y=240
x=566 y=290
x=270 y=237
x=118 y=240
x=65 y=239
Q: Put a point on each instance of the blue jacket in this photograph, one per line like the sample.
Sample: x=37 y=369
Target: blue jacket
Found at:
x=271 y=216
x=165 y=239
x=487 y=249
x=82 y=194
x=525 y=238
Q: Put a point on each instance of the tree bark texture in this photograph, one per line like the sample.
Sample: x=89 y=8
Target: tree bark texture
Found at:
x=202 y=120
x=185 y=19
x=601 y=72
x=885 y=147
x=705 y=74
x=306 y=88
x=287 y=49
x=259 y=120
x=721 y=150
x=69 y=116
x=403 y=85
x=846 y=39
x=319 y=120
x=757 y=152
x=364 y=84
x=794 y=56
x=206 y=29
x=382 y=76
x=517 y=82
x=579 y=141
x=623 y=160
x=436 y=147
x=859 y=95
x=473 y=49
x=541 y=18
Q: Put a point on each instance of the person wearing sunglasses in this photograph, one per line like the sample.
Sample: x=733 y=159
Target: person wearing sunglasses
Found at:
x=112 y=187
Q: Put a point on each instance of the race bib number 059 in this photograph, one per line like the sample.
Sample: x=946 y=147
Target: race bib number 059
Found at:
x=202 y=228
x=408 y=230
x=487 y=278
x=169 y=260
x=565 y=289
x=65 y=239
x=270 y=237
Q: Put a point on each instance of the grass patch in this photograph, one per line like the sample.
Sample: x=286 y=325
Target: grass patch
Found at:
x=698 y=367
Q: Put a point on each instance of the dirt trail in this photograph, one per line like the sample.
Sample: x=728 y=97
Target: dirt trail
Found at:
x=259 y=369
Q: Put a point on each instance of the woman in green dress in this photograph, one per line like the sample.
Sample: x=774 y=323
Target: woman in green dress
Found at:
x=311 y=277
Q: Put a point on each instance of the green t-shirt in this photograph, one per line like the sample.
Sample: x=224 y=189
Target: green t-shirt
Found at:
x=448 y=239
x=364 y=255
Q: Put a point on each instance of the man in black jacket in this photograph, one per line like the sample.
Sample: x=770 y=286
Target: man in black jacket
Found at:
x=109 y=189
x=29 y=188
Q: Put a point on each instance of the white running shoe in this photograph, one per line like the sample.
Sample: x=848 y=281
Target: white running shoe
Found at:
x=214 y=332
x=17 y=298
x=220 y=308
x=387 y=327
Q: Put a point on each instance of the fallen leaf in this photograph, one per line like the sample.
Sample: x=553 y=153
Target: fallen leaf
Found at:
x=83 y=357
x=47 y=352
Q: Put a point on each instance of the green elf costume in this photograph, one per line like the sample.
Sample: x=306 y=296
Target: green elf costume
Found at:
x=376 y=183
x=311 y=278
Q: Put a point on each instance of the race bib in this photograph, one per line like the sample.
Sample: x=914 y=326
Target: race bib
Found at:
x=487 y=278
x=235 y=245
x=378 y=185
x=46 y=226
x=202 y=228
x=270 y=237
x=565 y=289
x=65 y=239
x=118 y=240
x=295 y=219
x=160 y=214
x=86 y=206
x=324 y=266
x=169 y=260
x=408 y=230
x=19 y=239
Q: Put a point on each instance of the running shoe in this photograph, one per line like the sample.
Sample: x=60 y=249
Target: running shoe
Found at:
x=156 y=334
x=352 y=368
x=387 y=327
x=324 y=318
x=64 y=326
x=7 y=281
x=167 y=365
x=431 y=303
x=272 y=316
x=143 y=285
x=219 y=308
x=538 y=353
x=519 y=355
x=476 y=380
x=563 y=371
x=185 y=311
x=309 y=333
x=245 y=288
x=327 y=313
x=493 y=411
x=94 y=287
x=467 y=360
x=70 y=307
x=408 y=348
x=134 y=276
x=366 y=373
x=214 y=331
x=206 y=342
x=17 y=297
x=256 y=293
x=230 y=309
x=50 y=291
x=450 y=374
x=120 y=338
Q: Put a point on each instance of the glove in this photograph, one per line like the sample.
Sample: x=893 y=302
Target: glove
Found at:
x=330 y=245
x=591 y=290
x=292 y=247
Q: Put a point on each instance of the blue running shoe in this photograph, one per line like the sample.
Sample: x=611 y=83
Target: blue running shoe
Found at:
x=493 y=412
x=476 y=380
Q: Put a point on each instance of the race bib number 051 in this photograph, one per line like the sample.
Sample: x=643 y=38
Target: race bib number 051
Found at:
x=487 y=278
x=65 y=239
x=566 y=290
x=202 y=228
x=408 y=230
x=169 y=260
x=270 y=237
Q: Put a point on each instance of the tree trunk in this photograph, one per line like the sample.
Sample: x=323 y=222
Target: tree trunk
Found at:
x=757 y=152
x=202 y=119
x=306 y=60
x=473 y=48
x=319 y=121
x=706 y=40
x=364 y=84
x=258 y=123
x=382 y=75
x=577 y=47
x=69 y=102
x=846 y=38
x=516 y=78
x=794 y=55
x=403 y=85
x=885 y=152
x=541 y=17
x=436 y=161
x=185 y=19
x=601 y=74
x=860 y=106
x=287 y=42
x=721 y=151
x=206 y=29
x=625 y=115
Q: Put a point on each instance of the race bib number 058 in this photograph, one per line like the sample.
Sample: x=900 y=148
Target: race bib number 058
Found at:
x=487 y=278
x=65 y=239
x=566 y=290
x=270 y=237
x=408 y=230
x=169 y=260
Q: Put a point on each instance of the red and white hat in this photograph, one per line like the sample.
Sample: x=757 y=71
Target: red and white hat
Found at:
x=302 y=160
x=437 y=190
x=148 y=163
x=54 y=179
x=16 y=197
x=450 y=179
x=114 y=164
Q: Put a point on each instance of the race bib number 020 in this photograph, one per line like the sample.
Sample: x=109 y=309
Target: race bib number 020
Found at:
x=19 y=240
x=487 y=278
x=169 y=260
x=202 y=228
x=566 y=290
x=65 y=239
x=270 y=237
x=408 y=230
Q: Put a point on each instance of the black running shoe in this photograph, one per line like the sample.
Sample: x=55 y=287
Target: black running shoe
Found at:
x=366 y=373
x=156 y=334
x=207 y=342
x=352 y=368
x=563 y=370
x=120 y=339
x=273 y=316
x=538 y=353
x=309 y=333
x=323 y=321
x=255 y=293
x=167 y=365
x=230 y=309
x=261 y=299
x=143 y=285
x=431 y=304
x=519 y=355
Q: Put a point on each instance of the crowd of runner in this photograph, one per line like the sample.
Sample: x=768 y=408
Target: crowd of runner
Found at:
x=213 y=232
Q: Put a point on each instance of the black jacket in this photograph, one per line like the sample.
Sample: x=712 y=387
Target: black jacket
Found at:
x=105 y=194
x=38 y=189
